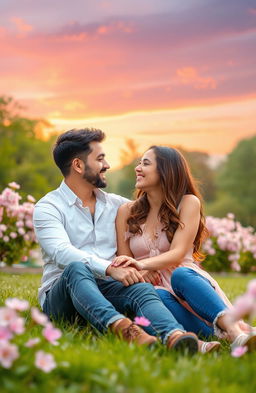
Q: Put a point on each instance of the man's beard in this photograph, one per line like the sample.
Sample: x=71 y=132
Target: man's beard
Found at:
x=93 y=179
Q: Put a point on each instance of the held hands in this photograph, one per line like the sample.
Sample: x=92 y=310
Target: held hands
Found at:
x=151 y=276
x=127 y=276
x=125 y=261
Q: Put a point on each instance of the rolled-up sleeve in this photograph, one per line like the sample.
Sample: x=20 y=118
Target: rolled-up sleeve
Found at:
x=54 y=240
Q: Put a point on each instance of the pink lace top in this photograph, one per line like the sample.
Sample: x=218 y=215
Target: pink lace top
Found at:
x=142 y=246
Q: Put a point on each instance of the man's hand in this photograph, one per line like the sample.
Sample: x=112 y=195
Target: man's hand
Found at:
x=151 y=276
x=127 y=276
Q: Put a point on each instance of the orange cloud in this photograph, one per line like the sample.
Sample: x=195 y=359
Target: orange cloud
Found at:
x=118 y=26
x=21 y=25
x=189 y=76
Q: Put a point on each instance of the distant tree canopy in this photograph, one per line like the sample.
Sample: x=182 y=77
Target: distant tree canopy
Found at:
x=236 y=183
x=25 y=158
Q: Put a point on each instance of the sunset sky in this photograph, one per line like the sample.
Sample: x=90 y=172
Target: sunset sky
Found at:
x=158 y=71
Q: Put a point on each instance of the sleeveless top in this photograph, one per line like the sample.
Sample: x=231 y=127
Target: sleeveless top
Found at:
x=142 y=246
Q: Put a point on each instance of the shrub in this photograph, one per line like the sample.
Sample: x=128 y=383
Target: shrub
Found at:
x=17 y=235
x=230 y=247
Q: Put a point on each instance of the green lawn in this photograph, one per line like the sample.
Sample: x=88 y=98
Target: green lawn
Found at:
x=88 y=362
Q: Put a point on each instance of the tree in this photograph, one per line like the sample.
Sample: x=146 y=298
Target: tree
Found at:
x=25 y=158
x=204 y=175
x=237 y=180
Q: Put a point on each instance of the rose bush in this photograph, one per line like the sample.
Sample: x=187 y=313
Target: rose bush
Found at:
x=17 y=235
x=230 y=247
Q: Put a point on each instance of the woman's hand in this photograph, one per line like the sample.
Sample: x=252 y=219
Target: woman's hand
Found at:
x=121 y=259
x=125 y=261
x=151 y=276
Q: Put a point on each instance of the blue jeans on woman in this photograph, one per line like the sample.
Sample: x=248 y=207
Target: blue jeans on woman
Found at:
x=198 y=292
x=101 y=302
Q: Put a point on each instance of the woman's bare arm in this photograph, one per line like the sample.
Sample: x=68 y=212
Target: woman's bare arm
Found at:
x=121 y=229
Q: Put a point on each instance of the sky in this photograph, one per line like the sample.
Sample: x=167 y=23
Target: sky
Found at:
x=181 y=73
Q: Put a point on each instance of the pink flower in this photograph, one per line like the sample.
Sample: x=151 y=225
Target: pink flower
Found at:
x=5 y=333
x=51 y=334
x=13 y=235
x=14 y=185
x=21 y=231
x=8 y=353
x=142 y=321
x=44 y=361
x=235 y=266
x=237 y=352
x=17 y=304
x=3 y=227
x=17 y=325
x=29 y=224
x=243 y=306
x=252 y=288
x=7 y=315
x=6 y=239
x=19 y=224
x=32 y=342
x=38 y=316
x=31 y=199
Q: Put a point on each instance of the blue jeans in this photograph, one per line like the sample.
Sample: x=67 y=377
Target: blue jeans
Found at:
x=102 y=302
x=189 y=321
x=198 y=292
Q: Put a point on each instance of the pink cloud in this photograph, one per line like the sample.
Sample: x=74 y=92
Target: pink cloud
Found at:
x=21 y=25
x=190 y=76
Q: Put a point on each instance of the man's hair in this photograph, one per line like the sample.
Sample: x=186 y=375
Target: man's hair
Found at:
x=72 y=144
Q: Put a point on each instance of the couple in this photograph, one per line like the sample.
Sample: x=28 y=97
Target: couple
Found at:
x=158 y=242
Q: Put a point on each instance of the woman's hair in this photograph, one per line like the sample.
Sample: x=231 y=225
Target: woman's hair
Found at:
x=176 y=181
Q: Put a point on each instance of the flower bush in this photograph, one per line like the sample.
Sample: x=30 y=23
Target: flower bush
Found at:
x=230 y=247
x=17 y=235
x=13 y=324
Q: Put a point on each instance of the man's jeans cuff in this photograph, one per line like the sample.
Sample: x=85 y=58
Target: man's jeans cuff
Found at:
x=114 y=319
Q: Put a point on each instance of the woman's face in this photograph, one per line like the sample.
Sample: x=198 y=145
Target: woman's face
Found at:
x=147 y=176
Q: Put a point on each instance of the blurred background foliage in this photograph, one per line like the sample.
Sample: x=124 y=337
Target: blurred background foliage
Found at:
x=26 y=158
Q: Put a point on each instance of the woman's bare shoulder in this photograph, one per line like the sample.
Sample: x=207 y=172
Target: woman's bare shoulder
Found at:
x=190 y=200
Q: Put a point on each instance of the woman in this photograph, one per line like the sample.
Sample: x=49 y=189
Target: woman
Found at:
x=161 y=232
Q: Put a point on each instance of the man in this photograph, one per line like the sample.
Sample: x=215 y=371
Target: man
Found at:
x=75 y=226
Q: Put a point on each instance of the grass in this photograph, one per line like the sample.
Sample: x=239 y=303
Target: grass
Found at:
x=88 y=362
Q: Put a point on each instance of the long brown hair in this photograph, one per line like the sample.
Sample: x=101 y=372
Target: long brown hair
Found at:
x=176 y=181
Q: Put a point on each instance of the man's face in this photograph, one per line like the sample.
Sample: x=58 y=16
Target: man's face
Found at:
x=96 y=166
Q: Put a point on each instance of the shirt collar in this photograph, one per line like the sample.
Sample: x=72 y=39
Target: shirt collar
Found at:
x=71 y=197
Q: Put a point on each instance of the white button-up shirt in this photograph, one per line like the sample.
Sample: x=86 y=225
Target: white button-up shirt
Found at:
x=67 y=233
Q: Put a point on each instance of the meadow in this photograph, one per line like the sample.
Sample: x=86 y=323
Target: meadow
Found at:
x=89 y=362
